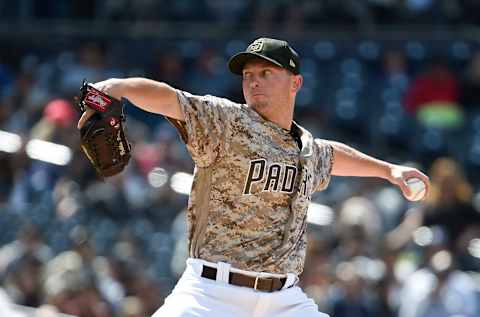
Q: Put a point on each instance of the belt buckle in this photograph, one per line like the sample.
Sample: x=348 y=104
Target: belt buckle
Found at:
x=257 y=278
x=256 y=282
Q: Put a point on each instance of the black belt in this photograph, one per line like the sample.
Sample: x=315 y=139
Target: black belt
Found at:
x=264 y=284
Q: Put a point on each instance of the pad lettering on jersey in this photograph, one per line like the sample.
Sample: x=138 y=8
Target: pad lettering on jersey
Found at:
x=306 y=184
x=289 y=179
x=275 y=177
x=256 y=167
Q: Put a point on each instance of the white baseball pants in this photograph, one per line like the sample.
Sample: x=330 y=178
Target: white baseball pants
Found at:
x=195 y=296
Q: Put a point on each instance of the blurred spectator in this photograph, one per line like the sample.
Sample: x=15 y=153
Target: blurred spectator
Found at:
x=20 y=105
x=264 y=13
x=169 y=68
x=59 y=112
x=450 y=200
x=439 y=290
x=90 y=64
x=108 y=198
x=351 y=298
x=295 y=20
x=385 y=297
x=70 y=286
x=395 y=70
x=371 y=12
x=21 y=192
x=58 y=115
x=433 y=97
x=317 y=275
x=29 y=242
x=209 y=75
x=449 y=206
x=470 y=85
x=358 y=227
x=23 y=282
x=387 y=91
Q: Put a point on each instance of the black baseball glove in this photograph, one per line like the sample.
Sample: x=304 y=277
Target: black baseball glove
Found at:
x=103 y=137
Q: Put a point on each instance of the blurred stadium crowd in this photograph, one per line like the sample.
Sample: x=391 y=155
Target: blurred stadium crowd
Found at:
x=257 y=13
x=89 y=248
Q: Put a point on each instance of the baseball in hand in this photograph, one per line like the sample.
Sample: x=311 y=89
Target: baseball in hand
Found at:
x=417 y=188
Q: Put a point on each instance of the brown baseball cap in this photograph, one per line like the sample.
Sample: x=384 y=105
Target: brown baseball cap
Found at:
x=275 y=51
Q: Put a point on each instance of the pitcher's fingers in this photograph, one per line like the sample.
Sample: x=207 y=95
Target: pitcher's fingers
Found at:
x=85 y=116
x=404 y=188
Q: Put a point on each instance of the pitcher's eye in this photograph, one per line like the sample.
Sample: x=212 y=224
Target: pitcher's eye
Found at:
x=247 y=76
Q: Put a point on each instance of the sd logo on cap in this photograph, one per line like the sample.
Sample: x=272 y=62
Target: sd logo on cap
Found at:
x=256 y=46
x=275 y=51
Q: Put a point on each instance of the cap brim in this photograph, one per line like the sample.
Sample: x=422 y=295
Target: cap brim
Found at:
x=238 y=61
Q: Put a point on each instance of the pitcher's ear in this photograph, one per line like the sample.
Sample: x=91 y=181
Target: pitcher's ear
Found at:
x=297 y=82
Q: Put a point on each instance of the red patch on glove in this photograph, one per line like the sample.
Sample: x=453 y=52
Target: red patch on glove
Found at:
x=97 y=100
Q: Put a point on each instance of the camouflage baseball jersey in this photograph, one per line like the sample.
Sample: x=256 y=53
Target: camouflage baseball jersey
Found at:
x=252 y=185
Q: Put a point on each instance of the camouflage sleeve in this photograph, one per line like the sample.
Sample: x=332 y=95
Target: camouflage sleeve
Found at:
x=205 y=126
x=324 y=164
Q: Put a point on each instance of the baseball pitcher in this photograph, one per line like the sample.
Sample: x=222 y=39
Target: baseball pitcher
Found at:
x=256 y=170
